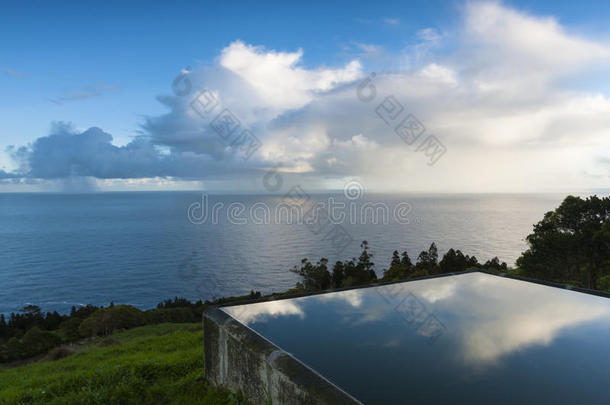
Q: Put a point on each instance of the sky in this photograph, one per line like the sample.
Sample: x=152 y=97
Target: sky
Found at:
x=407 y=96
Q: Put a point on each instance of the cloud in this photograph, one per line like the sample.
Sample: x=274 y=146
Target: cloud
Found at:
x=351 y=297
x=6 y=175
x=518 y=324
x=498 y=91
x=369 y=51
x=494 y=101
x=439 y=74
x=278 y=79
x=258 y=85
x=391 y=21
x=263 y=311
x=266 y=91
x=429 y=34
x=83 y=94
x=67 y=154
x=530 y=42
x=12 y=72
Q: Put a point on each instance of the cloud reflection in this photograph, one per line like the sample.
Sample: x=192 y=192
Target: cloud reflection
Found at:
x=351 y=297
x=487 y=318
x=517 y=315
x=251 y=313
x=497 y=316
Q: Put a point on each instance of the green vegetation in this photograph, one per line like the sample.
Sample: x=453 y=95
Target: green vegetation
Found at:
x=348 y=273
x=571 y=244
x=31 y=333
x=98 y=355
x=316 y=277
x=161 y=364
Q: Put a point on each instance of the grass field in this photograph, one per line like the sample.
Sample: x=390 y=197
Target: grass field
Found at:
x=161 y=364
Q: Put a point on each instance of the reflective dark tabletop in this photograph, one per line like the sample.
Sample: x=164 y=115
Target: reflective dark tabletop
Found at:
x=470 y=338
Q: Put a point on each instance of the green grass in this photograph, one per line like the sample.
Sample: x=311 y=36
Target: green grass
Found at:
x=161 y=364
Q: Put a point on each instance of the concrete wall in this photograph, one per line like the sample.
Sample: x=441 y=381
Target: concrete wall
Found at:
x=240 y=359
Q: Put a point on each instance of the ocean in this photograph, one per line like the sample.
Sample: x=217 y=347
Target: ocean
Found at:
x=60 y=250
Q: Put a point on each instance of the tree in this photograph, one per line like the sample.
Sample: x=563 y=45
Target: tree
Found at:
x=433 y=254
x=338 y=274
x=427 y=261
x=14 y=350
x=395 y=259
x=315 y=277
x=69 y=329
x=494 y=264
x=52 y=320
x=405 y=260
x=3 y=328
x=571 y=244
x=37 y=341
x=603 y=283
x=453 y=261
x=400 y=267
x=323 y=274
x=31 y=309
x=352 y=272
x=472 y=262
x=365 y=257
x=365 y=265
x=107 y=320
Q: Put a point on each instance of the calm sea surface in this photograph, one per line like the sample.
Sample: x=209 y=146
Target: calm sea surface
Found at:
x=59 y=250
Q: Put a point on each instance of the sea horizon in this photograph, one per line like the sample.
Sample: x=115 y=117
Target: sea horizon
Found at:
x=142 y=247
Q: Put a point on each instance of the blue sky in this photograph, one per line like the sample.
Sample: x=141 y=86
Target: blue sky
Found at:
x=104 y=66
x=138 y=48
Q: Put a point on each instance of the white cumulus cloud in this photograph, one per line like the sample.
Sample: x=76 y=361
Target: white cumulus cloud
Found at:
x=502 y=96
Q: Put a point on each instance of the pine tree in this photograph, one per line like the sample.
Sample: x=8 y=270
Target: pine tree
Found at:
x=365 y=265
x=395 y=258
x=406 y=260
x=427 y=261
x=338 y=274
x=433 y=254
x=365 y=257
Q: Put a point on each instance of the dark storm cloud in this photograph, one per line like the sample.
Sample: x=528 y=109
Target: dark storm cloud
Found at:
x=65 y=154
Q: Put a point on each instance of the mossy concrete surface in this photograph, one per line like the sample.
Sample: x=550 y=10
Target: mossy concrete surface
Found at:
x=240 y=359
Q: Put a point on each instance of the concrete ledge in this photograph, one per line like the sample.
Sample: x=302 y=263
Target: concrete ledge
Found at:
x=240 y=359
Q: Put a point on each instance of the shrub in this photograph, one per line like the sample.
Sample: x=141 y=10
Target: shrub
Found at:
x=107 y=320
x=33 y=343
x=603 y=283
x=69 y=329
x=173 y=315
x=37 y=341
x=13 y=350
